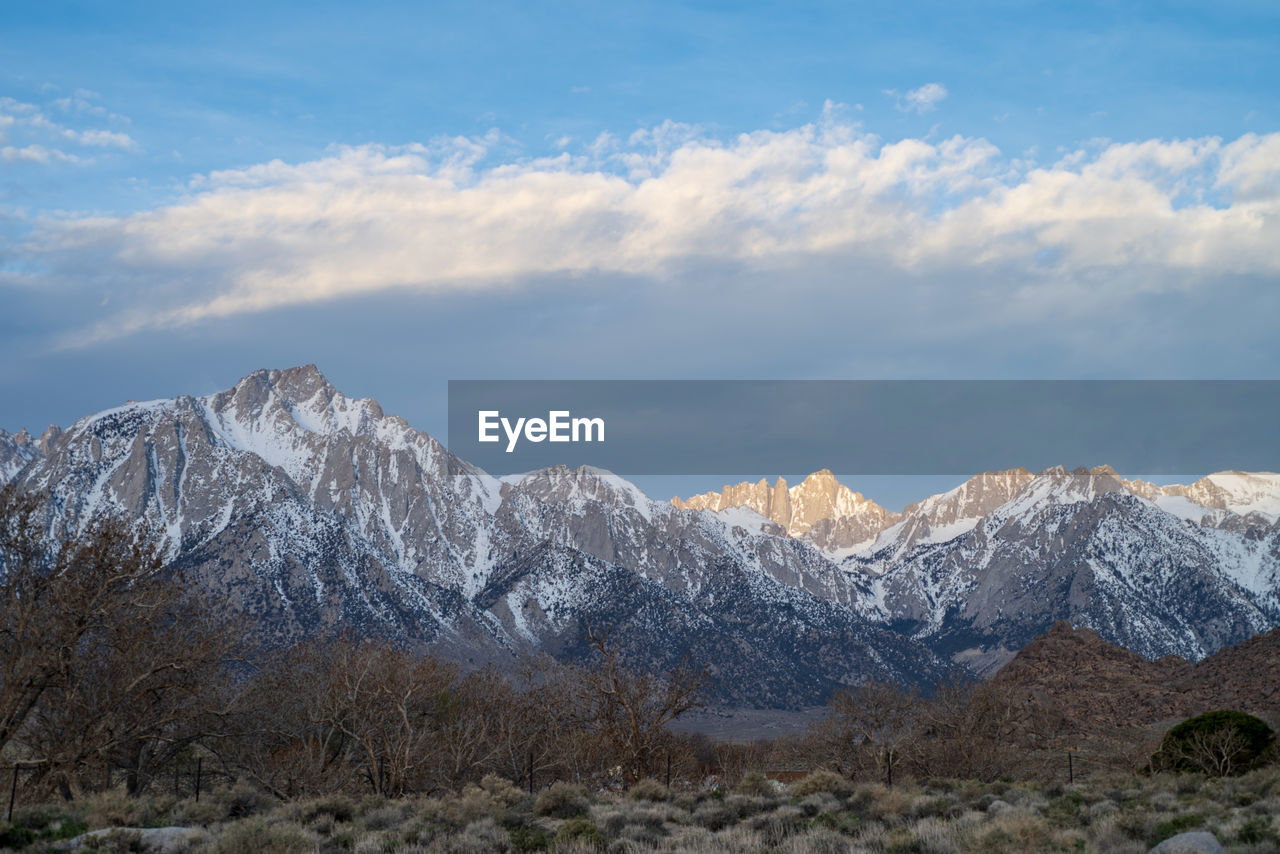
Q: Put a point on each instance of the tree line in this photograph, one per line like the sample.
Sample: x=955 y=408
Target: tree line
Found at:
x=114 y=667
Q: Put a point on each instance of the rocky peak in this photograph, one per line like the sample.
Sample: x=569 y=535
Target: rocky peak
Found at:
x=1230 y=499
x=1236 y=491
x=974 y=498
x=300 y=396
x=50 y=435
x=16 y=450
x=561 y=483
x=1058 y=485
x=949 y=514
x=818 y=498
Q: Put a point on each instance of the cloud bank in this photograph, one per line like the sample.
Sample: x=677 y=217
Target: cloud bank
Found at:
x=462 y=214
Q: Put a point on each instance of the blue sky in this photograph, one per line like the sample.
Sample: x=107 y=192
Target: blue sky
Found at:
x=408 y=193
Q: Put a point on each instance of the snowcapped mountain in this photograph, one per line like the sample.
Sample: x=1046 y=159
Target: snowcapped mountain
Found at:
x=978 y=571
x=1079 y=546
x=311 y=511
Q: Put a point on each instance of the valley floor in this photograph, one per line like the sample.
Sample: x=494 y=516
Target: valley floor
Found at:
x=739 y=724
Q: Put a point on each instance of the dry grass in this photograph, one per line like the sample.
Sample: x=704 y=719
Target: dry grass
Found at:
x=821 y=813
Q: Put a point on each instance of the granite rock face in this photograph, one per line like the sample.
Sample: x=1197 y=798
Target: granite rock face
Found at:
x=846 y=516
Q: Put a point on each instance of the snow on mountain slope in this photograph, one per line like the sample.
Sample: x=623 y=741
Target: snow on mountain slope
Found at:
x=16 y=450
x=945 y=516
x=312 y=511
x=1079 y=546
x=1239 y=492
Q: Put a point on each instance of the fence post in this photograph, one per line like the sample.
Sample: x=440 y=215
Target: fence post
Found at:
x=668 y=769
x=13 y=791
x=199 y=763
x=1071 y=769
x=531 y=772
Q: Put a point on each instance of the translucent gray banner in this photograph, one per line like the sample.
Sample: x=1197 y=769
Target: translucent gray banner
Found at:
x=871 y=427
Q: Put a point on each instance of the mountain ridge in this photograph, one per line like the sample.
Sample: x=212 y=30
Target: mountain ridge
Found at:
x=312 y=510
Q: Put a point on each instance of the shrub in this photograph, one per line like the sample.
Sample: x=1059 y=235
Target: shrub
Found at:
x=257 y=836
x=1257 y=830
x=821 y=781
x=243 y=800
x=113 y=808
x=779 y=825
x=528 y=837
x=484 y=835
x=114 y=841
x=32 y=825
x=1066 y=811
x=562 y=800
x=580 y=830
x=501 y=789
x=470 y=805
x=715 y=815
x=648 y=790
x=384 y=818
x=819 y=803
x=338 y=806
x=1218 y=743
x=839 y=821
x=754 y=783
x=190 y=812
x=1174 y=826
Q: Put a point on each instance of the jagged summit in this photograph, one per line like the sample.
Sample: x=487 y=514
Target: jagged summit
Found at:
x=17 y=450
x=836 y=519
x=819 y=496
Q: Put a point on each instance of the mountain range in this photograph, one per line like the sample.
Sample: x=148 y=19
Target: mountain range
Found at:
x=311 y=511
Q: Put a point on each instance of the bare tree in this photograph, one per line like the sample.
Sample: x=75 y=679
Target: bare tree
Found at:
x=630 y=710
x=1219 y=752
x=871 y=727
x=104 y=654
x=284 y=739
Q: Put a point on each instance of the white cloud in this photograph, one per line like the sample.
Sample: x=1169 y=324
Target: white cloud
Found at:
x=41 y=132
x=35 y=154
x=922 y=100
x=16 y=107
x=1141 y=216
x=104 y=139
